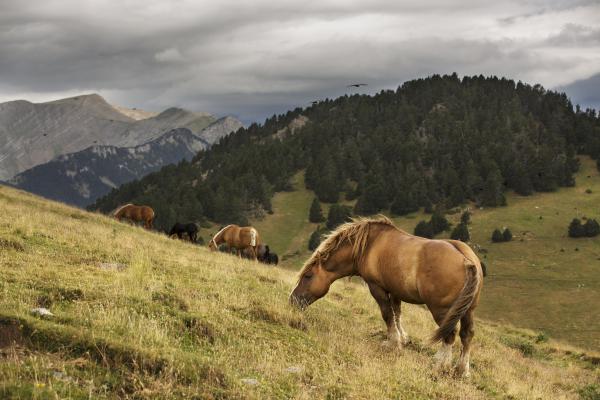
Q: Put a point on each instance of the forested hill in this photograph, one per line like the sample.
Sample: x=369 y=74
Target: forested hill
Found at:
x=436 y=139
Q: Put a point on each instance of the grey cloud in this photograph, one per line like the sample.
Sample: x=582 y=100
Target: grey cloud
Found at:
x=255 y=58
x=575 y=35
x=542 y=7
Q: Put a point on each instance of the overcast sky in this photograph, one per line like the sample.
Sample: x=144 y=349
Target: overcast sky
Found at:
x=254 y=58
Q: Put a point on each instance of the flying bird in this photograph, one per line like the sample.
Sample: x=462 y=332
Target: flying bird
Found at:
x=357 y=85
x=45 y=134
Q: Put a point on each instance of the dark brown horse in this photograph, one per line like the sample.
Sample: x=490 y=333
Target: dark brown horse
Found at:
x=136 y=214
x=445 y=275
x=237 y=237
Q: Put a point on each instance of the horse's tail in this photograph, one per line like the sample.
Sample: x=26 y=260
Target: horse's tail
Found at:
x=253 y=235
x=467 y=295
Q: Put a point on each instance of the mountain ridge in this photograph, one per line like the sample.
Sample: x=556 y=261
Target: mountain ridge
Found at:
x=79 y=178
x=34 y=133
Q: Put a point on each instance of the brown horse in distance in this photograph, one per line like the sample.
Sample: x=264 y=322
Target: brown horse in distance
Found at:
x=135 y=213
x=237 y=237
x=445 y=275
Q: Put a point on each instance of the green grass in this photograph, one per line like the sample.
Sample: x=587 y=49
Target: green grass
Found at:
x=532 y=283
x=287 y=230
x=182 y=322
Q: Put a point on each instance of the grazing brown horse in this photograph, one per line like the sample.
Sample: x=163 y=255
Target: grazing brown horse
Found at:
x=237 y=237
x=135 y=213
x=445 y=275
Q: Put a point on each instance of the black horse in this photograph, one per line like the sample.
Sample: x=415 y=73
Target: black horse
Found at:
x=180 y=229
x=265 y=256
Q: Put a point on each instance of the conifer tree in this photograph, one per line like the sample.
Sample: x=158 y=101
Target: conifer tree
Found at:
x=460 y=232
x=507 y=235
x=424 y=229
x=497 y=236
x=316 y=213
x=576 y=229
x=315 y=239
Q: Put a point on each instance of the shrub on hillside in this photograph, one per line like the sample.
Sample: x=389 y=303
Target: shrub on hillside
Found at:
x=316 y=213
x=497 y=236
x=591 y=228
x=465 y=217
x=439 y=223
x=404 y=203
x=338 y=215
x=424 y=229
x=460 y=232
x=576 y=229
x=315 y=239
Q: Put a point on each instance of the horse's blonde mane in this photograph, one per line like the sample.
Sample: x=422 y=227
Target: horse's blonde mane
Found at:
x=120 y=208
x=355 y=232
x=221 y=231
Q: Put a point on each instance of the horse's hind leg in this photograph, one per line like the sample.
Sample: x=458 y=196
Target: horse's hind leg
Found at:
x=443 y=357
x=466 y=335
x=397 y=308
x=387 y=313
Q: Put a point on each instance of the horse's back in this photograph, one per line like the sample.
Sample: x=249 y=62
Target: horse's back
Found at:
x=417 y=268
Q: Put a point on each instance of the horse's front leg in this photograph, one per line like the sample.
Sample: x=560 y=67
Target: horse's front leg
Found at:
x=387 y=313
x=397 y=308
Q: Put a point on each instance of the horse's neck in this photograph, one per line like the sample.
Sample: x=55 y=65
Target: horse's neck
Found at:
x=342 y=263
x=220 y=236
x=121 y=210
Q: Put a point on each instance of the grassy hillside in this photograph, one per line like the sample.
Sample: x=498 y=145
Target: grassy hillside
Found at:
x=546 y=281
x=137 y=315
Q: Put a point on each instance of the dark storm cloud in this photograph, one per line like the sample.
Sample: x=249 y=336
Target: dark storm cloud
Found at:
x=255 y=58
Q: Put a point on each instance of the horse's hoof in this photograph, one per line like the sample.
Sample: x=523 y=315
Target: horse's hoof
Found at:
x=442 y=368
x=460 y=372
x=405 y=340
x=391 y=345
x=442 y=365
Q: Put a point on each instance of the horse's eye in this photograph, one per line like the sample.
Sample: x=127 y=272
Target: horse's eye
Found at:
x=308 y=276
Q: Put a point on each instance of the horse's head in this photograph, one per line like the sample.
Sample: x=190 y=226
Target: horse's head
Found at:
x=212 y=245
x=314 y=283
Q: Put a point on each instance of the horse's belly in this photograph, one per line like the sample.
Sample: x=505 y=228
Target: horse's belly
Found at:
x=397 y=278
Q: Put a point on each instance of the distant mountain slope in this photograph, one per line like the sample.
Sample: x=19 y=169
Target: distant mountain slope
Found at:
x=221 y=128
x=32 y=134
x=80 y=178
x=135 y=113
x=436 y=140
x=151 y=128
